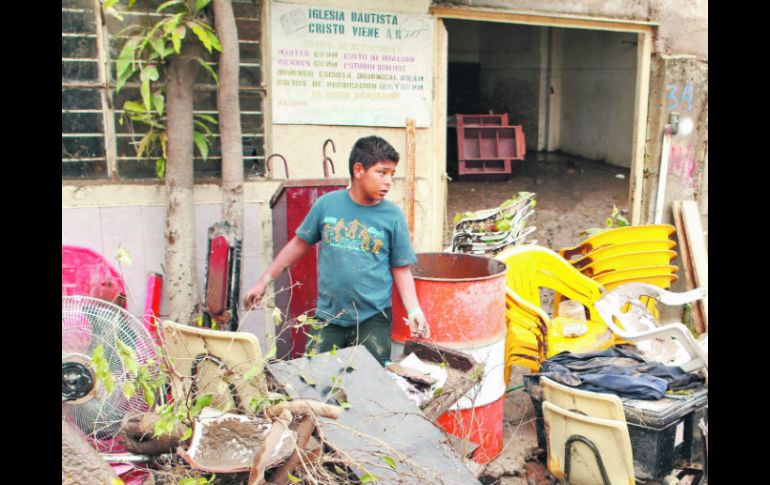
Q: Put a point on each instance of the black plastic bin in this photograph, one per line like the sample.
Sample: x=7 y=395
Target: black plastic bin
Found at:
x=664 y=433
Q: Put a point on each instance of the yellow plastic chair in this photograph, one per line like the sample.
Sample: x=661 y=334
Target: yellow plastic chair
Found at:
x=595 y=404
x=621 y=262
x=660 y=276
x=203 y=361
x=650 y=232
x=621 y=249
x=584 y=450
x=533 y=336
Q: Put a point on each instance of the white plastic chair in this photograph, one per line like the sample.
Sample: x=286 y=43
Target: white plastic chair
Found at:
x=638 y=324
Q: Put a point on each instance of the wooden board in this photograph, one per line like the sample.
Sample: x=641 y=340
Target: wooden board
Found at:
x=687 y=264
x=698 y=252
x=382 y=421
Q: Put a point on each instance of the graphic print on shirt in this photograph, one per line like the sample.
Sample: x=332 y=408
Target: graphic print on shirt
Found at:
x=352 y=235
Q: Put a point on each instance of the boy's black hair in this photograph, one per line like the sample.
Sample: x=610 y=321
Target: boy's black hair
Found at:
x=369 y=150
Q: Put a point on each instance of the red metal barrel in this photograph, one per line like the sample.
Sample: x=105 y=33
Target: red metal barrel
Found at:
x=463 y=298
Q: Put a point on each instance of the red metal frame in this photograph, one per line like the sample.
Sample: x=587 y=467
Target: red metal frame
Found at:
x=290 y=204
x=486 y=144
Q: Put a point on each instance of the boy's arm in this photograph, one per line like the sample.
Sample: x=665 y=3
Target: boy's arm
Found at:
x=290 y=253
x=402 y=277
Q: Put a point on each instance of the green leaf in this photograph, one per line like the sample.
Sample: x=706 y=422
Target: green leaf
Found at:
x=346 y=405
x=438 y=391
x=124 y=258
x=203 y=126
x=128 y=358
x=149 y=72
x=149 y=395
x=160 y=168
x=159 y=102
x=368 y=478
x=209 y=69
x=165 y=5
x=201 y=33
x=187 y=434
x=339 y=470
x=333 y=352
x=176 y=41
x=200 y=403
x=146 y=94
x=188 y=481
x=126 y=58
x=133 y=106
x=202 y=143
x=213 y=121
x=277 y=316
x=390 y=461
x=293 y=479
x=200 y=4
x=129 y=389
x=159 y=45
x=214 y=40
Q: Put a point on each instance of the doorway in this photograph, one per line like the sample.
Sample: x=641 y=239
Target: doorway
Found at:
x=579 y=94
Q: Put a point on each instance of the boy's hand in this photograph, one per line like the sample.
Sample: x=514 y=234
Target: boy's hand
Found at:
x=418 y=325
x=254 y=296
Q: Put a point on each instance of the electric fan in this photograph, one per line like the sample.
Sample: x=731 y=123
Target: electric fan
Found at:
x=92 y=332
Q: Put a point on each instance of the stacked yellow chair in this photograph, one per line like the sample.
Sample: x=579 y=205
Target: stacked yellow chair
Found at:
x=632 y=254
x=533 y=335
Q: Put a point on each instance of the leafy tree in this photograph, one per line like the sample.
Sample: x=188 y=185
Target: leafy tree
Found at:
x=166 y=57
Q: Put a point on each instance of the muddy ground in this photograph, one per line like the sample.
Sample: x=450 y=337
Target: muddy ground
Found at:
x=573 y=194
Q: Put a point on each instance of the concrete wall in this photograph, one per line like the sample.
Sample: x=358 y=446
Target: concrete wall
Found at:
x=510 y=74
x=511 y=65
x=598 y=80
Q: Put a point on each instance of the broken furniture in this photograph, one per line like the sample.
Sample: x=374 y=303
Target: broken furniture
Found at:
x=223 y=276
x=204 y=361
x=296 y=289
x=380 y=423
x=588 y=441
x=88 y=273
x=636 y=324
x=486 y=144
x=664 y=433
x=533 y=335
x=463 y=299
x=490 y=231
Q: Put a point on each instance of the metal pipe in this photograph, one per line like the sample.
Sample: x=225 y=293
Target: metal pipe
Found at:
x=285 y=164
x=327 y=157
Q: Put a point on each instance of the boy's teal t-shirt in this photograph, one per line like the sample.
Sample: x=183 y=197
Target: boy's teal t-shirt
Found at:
x=358 y=246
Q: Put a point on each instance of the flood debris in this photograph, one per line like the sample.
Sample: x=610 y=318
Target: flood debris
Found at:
x=225 y=442
x=380 y=433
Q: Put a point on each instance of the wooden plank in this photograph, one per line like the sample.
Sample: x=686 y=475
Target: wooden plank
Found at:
x=381 y=420
x=698 y=252
x=686 y=258
x=411 y=162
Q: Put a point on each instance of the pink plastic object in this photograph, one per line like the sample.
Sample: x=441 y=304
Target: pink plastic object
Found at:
x=86 y=272
x=152 y=304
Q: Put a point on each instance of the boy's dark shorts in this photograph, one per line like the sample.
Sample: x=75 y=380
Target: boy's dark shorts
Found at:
x=373 y=333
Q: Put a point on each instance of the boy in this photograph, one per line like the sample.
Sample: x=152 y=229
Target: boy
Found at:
x=365 y=249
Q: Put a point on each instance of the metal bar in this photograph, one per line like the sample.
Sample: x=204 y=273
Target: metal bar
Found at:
x=103 y=48
x=594 y=449
x=81 y=111
x=82 y=159
x=82 y=135
x=76 y=34
x=79 y=59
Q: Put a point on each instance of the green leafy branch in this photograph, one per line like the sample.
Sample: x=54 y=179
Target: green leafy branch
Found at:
x=614 y=221
x=144 y=54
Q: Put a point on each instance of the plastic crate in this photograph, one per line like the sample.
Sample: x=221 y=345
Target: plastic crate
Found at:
x=664 y=433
